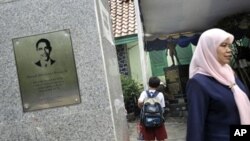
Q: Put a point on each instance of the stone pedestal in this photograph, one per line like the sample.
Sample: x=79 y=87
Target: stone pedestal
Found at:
x=101 y=114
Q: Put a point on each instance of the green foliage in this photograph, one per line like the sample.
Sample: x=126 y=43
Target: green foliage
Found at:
x=130 y=87
x=232 y=22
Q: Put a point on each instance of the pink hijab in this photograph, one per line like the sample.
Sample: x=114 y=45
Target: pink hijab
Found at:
x=204 y=61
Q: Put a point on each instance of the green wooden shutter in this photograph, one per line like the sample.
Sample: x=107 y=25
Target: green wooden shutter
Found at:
x=158 y=61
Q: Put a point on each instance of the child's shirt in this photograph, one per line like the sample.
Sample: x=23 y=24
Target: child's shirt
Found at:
x=159 y=96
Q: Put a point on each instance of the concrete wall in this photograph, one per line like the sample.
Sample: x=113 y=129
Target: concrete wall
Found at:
x=101 y=114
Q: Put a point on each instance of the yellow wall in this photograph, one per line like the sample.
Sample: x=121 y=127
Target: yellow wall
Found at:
x=134 y=61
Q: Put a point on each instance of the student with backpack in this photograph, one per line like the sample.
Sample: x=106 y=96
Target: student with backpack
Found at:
x=152 y=105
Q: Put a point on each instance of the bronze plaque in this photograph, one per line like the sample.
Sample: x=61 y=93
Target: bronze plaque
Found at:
x=46 y=70
x=174 y=88
x=172 y=75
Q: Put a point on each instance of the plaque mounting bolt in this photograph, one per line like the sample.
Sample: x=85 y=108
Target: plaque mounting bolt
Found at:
x=26 y=105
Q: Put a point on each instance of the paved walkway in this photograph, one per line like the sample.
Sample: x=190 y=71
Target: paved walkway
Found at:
x=176 y=129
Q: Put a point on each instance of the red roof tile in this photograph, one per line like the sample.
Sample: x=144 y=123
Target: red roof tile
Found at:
x=123 y=17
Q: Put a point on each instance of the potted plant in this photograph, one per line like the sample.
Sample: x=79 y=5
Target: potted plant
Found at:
x=131 y=91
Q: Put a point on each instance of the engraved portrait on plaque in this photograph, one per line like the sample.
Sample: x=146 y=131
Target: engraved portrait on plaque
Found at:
x=44 y=49
x=46 y=70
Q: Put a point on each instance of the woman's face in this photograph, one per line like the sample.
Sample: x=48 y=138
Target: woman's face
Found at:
x=224 y=52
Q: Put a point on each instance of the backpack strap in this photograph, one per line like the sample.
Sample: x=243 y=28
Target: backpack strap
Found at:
x=153 y=95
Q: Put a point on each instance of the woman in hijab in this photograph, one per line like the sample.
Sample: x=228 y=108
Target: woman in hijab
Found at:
x=216 y=97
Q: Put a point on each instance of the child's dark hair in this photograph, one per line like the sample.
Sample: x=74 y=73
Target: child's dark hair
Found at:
x=154 y=82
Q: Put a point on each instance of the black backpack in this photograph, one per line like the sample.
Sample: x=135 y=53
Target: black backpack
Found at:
x=151 y=112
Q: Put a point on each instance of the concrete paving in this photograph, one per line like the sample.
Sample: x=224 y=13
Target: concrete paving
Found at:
x=176 y=129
